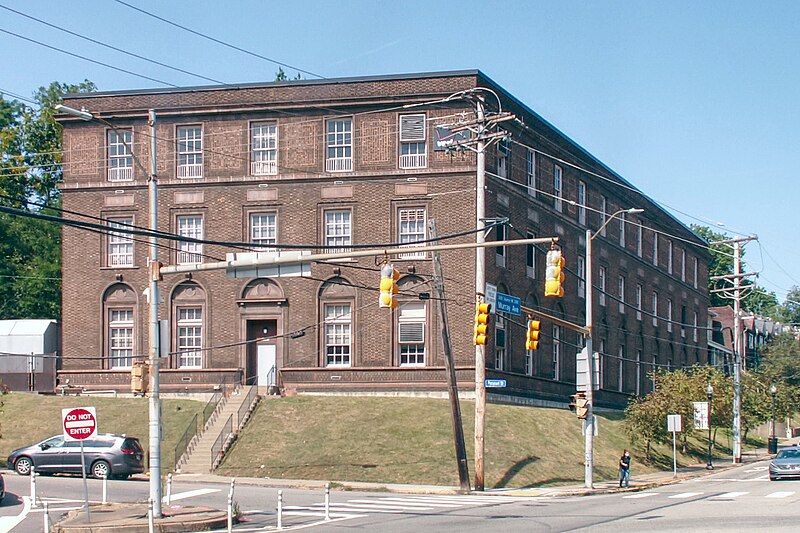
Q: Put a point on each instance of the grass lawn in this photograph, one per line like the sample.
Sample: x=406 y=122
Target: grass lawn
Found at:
x=409 y=440
x=28 y=418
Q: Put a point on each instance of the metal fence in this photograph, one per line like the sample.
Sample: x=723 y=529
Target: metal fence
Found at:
x=217 y=450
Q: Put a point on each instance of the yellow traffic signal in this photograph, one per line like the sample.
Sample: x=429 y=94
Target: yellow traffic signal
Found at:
x=532 y=337
x=140 y=372
x=554 y=275
x=579 y=405
x=389 y=277
x=482 y=311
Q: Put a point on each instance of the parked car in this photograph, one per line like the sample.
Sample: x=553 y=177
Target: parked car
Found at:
x=2 y=488
x=786 y=463
x=104 y=456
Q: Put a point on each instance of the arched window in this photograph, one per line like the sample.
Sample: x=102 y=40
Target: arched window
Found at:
x=189 y=318
x=119 y=318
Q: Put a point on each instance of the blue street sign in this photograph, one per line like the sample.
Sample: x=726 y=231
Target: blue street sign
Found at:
x=508 y=304
x=495 y=383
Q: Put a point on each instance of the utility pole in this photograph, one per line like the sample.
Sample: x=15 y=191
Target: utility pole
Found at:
x=452 y=384
x=154 y=296
x=736 y=292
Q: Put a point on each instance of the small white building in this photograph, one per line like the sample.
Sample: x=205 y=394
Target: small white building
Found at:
x=29 y=353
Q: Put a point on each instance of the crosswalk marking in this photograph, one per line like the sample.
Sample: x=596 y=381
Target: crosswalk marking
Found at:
x=640 y=495
x=407 y=502
x=781 y=494
x=684 y=495
x=190 y=494
x=729 y=495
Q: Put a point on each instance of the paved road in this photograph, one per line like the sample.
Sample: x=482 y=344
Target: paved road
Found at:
x=741 y=499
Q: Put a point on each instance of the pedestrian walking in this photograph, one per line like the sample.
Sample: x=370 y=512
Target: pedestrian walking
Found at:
x=625 y=469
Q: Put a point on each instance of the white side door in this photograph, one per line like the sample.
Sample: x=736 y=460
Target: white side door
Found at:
x=266 y=365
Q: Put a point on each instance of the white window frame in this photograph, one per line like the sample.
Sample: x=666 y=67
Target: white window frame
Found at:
x=412 y=227
x=669 y=257
x=339 y=144
x=500 y=342
x=622 y=229
x=694 y=330
x=669 y=315
x=581 y=276
x=120 y=244
x=529 y=362
x=530 y=173
x=189 y=336
x=639 y=301
x=621 y=368
x=655 y=248
x=503 y=157
x=556 y=362
x=603 y=213
x=601 y=354
x=582 y=203
x=500 y=252
x=411 y=332
x=262 y=230
x=264 y=148
x=121 y=339
x=638 y=372
x=120 y=158
x=601 y=282
x=338 y=229
x=694 y=280
x=683 y=266
x=621 y=294
x=655 y=308
x=338 y=336
x=413 y=136
x=189 y=151
x=190 y=252
x=639 y=240
x=558 y=188
x=530 y=257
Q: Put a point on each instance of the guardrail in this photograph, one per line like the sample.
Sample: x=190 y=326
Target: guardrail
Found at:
x=217 y=450
x=188 y=435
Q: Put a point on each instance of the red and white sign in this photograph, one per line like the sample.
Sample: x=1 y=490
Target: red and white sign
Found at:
x=79 y=423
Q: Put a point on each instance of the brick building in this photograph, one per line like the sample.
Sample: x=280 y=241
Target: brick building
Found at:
x=349 y=162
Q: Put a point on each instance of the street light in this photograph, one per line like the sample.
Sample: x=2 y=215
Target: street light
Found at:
x=589 y=423
x=710 y=395
x=773 y=442
x=153 y=296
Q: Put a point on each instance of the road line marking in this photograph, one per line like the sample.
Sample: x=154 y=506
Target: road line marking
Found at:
x=7 y=523
x=409 y=502
x=190 y=494
x=782 y=494
x=729 y=495
x=378 y=505
x=684 y=495
x=640 y=495
x=316 y=511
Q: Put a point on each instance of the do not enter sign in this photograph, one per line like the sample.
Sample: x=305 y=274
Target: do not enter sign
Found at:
x=80 y=423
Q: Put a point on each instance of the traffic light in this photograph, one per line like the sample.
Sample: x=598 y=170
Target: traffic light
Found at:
x=532 y=337
x=579 y=405
x=389 y=278
x=554 y=276
x=482 y=311
x=140 y=375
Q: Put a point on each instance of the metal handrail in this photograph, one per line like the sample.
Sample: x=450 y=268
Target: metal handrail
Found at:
x=183 y=442
x=211 y=408
x=244 y=409
x=219 y=444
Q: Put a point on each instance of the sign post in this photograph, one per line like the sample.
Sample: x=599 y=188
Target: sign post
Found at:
x=674 y=425
x=79 y=424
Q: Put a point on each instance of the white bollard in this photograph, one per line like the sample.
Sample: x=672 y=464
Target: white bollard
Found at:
x=46 y=519
x=230 y=492
x=280 y=509
x=230 y=513
x=169 y=488
x=33 y=487
x=327 y=501
x=105 y=489
x=151 y=519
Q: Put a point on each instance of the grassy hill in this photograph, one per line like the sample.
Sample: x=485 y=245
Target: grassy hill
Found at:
x=409 y=440
x=28 y=418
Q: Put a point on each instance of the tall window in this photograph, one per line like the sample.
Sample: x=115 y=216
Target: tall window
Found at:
x=638 y=372
x=413 y=150
x=581 y=203
x=620 y=368
x=669 y=257
x=655 y=248
x=638 y=302
x=120 y=338
x=120 y=243
x=339 y=144
x=529 y=362
x=499 y=343
x=621 y=294
x=411 y=333
x=655 y=308
x=556 y=352
x=601 y=281
x=669 y=315
x=639 y=240
x=601 y=353
x=190 y=152
x=190 y=337
x=530 y=258
x=694 y=277
x=412 y=227
x=190 y=226
x=603 y=213
x=338 y=229
x=500 y=251
x=683 y=265
x=530 y=172
x=120 y=159
x=263 y=148
x=503 y=155
x=264 y=230
x=622 y=230
x=581 y=276
x=557 y=188
x=694 y=330
x=338 y=324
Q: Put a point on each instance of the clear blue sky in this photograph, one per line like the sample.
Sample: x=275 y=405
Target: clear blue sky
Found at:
x=693 y=102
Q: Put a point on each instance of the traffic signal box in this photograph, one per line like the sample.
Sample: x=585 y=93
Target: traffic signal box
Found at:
x=532 y=336
x=554 y=275
x=482 y=311
x=389 y=277
x=579 y=405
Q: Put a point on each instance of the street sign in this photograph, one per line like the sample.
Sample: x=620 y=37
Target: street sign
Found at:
x=79 y=423
x=495 y=383
x=674 y=423
x=490 y=296
x=509 y=304
x=267 y=270
x=700 y=415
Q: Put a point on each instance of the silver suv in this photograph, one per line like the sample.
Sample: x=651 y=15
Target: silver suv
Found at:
x=104 y=456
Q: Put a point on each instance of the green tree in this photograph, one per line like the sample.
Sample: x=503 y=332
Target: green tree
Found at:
x=281 y=76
